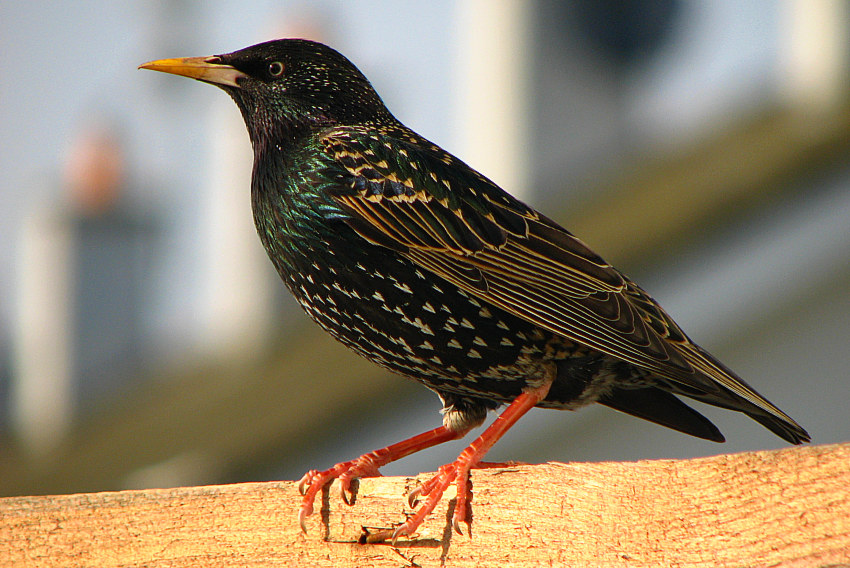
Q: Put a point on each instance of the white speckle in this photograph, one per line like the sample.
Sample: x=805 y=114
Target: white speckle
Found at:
x=423 y=326
x=455 y=343
x=426 y=345
x=429 y=308
x=402 y=287
x=466 y=323
x=485 y=313
x=377 y=295
x=473 y=354
x=503 y=325
x=436 y=360
x=479 y=341
x=404 y=345
x=506 y=342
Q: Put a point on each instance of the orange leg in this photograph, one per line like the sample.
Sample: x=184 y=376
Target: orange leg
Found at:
x=366 y=466
x=458 y=470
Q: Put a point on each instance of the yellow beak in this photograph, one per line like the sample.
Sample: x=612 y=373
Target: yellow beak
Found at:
x=207 y=69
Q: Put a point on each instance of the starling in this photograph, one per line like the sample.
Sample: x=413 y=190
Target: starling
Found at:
x=421 y=264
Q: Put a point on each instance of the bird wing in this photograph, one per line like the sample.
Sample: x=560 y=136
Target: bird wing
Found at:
x=411 y=196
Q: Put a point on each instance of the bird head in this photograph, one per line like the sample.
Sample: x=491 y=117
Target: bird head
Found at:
x=288 y=85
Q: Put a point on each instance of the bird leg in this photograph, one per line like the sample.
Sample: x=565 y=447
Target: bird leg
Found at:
x=458 y=471
x=366 y=465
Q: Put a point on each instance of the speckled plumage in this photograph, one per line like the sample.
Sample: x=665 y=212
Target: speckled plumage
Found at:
x=423 y=265
x=385 y=307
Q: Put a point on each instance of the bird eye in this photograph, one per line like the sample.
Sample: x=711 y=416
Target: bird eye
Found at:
x=276 y=69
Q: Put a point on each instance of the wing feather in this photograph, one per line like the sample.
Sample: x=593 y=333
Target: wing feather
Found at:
x=465 y=229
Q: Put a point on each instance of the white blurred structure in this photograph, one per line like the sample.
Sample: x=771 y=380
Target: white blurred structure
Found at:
x=814 y=54
x=492 y=70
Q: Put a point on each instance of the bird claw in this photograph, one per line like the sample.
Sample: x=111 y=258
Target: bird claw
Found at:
x=398 y=532
x=433 y=490
x=313 y=481
x=345 y=491
x=464 y=496
x=368 y=465
x=305 y=512
x=456 y=525
x=413 y=496
x=461 y=514
x=307 y=480
x=425 y=489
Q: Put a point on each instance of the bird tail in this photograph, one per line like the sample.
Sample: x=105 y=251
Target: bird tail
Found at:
x=663 y=408
x=734 y=394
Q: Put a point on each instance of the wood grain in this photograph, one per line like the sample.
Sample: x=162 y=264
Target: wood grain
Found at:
x=787 y=508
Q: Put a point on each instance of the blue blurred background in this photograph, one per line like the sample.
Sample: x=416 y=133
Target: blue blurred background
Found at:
x=145 y=341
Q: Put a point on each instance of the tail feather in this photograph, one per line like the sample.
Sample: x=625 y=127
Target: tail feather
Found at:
x=732 y=393
x=663 y=408
x=753 y=405
x=785 y=429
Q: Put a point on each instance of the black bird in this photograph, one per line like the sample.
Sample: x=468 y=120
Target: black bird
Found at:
x=421 y=264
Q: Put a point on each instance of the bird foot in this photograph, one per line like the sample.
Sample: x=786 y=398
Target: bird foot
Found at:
x=432 y=490
x=366 y=465
x=313 y=481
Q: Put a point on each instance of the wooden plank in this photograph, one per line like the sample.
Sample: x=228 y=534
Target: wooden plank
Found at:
x=774 y=508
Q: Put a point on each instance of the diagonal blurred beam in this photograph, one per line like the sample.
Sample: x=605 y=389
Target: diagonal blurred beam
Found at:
x=660 y=202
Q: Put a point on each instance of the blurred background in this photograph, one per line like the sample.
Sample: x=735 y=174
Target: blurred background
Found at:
x=145 y=341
